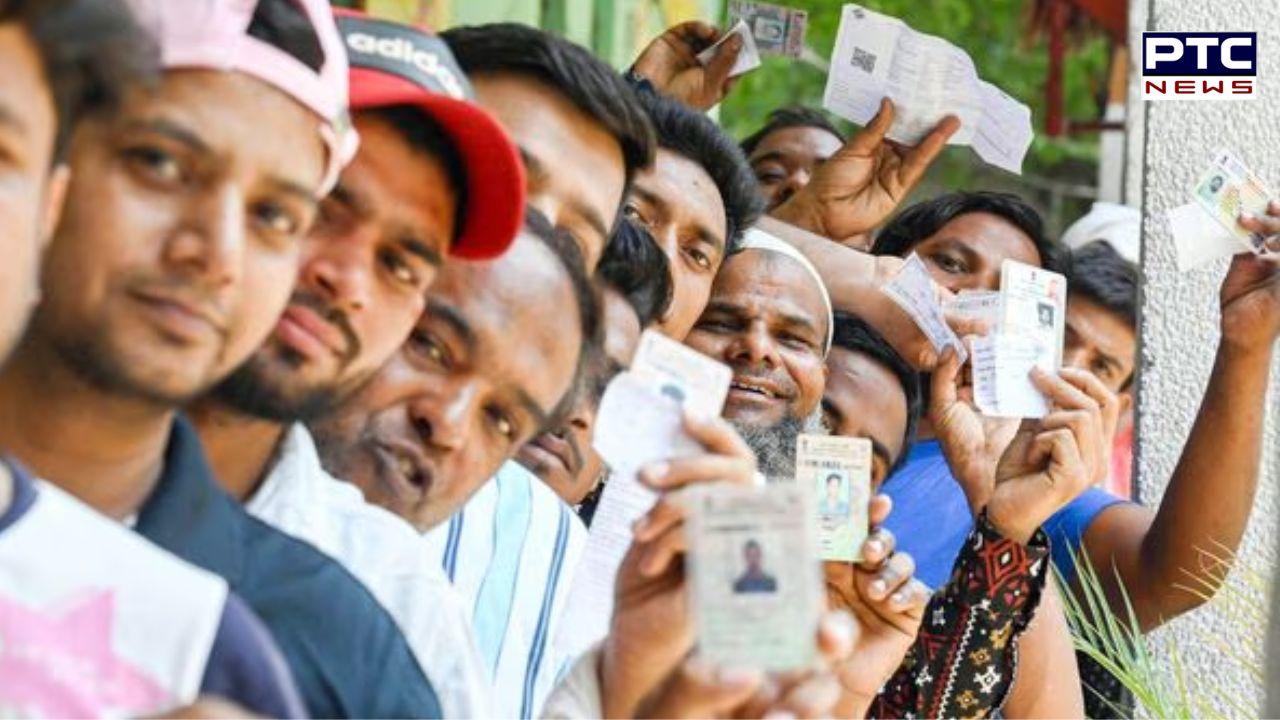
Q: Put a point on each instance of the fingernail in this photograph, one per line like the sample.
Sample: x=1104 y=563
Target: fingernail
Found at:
x=875 y=547
x=638 y=526
x=898 y=599
x=1247 y=215
x=739 y=676
x=779 y=715
x=840 y=627
x=878 y=587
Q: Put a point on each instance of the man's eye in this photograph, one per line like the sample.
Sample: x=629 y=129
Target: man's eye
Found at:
x=425 y=345
x=949 y=264
x=769 y=178
x=157 y=164
x=502 y=424
x=632 y=213
x=277 y=219
x=698 y=258
x=401 y=271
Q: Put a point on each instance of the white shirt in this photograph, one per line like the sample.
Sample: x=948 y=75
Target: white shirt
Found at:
x=95 y=620
x=511 y=552
x=385 y=553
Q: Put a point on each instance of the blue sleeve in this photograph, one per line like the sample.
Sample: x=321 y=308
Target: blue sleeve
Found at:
x=246 y=667
x=1067 y=527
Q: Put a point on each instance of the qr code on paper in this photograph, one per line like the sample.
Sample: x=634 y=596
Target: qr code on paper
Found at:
x=863 y=60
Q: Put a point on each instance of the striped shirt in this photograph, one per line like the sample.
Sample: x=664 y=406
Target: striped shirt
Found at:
x=511 y=552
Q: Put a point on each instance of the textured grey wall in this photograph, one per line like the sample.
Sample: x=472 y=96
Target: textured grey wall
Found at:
x=1180 y=311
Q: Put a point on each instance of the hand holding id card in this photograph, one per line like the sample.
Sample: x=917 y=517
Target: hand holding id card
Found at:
x=755 y=583
x=837 y=470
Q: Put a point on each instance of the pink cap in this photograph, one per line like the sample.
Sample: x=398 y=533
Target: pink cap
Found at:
x=214 y=34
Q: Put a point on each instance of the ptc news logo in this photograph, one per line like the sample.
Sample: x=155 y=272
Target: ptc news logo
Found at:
x=1199 y=65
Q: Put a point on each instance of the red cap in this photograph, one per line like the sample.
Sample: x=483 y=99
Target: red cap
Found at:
x=395 y=64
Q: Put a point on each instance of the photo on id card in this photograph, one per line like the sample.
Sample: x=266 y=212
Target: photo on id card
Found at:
x=681 y=373
x=837 y=470
x=755 y=581
x=1033 y=303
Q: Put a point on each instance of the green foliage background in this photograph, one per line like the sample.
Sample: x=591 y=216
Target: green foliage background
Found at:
x=997 y=35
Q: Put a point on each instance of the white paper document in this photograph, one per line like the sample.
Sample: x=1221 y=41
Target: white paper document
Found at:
x=1198 y=239
x=983 y=305
x=912 y=290
x=748 y=56
x=927 y=78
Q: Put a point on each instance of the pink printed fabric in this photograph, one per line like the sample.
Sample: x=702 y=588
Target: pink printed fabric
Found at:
x=60 y=662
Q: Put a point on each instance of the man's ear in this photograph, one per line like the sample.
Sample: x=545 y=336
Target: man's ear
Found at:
x=55 y=197
x=1126 y=402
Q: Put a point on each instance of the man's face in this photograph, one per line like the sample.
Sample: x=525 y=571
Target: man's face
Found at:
x=966 y=253
x=833 y=489
x=573 y=165
x=753 y=556
x=30 y=189
x=180 y=239
x=1099 y=341
x=865 y=399
x=486 y=364
x=677 y=201
x=563 y=458
x=767 y=321
x=784 y=160
x=362 y=283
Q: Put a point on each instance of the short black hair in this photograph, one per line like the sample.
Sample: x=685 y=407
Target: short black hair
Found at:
x=424 y=134
x=92 y=52
x=284 y=25
x=923 y=219
x=790 y=117
x=1097 y=272
x=569 y=254
x=855 y=335
x=588 y=82
x=692 y=135
x=636 y=267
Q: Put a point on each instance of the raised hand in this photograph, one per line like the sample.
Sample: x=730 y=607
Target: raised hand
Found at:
x=1250 y=294
x=971 y=442
x=887 y=603
x=670 y=62
x=856 y=189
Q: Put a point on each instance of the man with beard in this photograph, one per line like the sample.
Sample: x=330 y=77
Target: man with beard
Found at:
x=175 y=630
x=175 y=253
x=770 y=320
x=435 y=176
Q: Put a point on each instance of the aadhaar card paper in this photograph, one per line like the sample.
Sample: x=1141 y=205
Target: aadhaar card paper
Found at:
x=912 y=290
x=748 y=56
x=777 y=30
x=837 y=470
x=755 y=583
x=928 y=78
x=1229 y=188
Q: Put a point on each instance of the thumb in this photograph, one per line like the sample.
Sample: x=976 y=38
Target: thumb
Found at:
x=697 y=690
x=943 y=382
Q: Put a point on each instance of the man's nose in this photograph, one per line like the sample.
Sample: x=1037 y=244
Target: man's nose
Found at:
x=442 y=420
x=340 y=273
x=209 y=241
x=755 y=345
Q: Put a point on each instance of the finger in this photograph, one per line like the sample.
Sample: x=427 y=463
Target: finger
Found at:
x=943 y=383
x=1092 y=385
x=1062 y=393
x=910 y=599
x=661 y=517
x=699 y=30
x=917 y=160
x=1263 y=224
x=697 y=469
x=896 y=572
x=660 y=552
x=878 y=546
x=815 y=697
x=1057 y=446
x=698 y=689
x=836 y=635
x=878 y=509
x=721 y=64
x=716 y=435
x=964 y=326
x=871 y=136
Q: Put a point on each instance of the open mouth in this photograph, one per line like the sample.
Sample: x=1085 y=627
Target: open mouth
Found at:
x=407 y=466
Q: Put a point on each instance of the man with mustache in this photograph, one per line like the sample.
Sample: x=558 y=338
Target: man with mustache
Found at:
x=175 y=253
x=435 y=176
x=635 y=290
x=176 y=631
x=770 y=320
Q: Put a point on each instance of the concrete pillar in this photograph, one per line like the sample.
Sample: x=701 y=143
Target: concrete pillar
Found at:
x=1170 y=142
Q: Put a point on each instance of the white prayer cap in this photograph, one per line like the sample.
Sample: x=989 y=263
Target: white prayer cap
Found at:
x=1119 y=225
x=757 y=239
